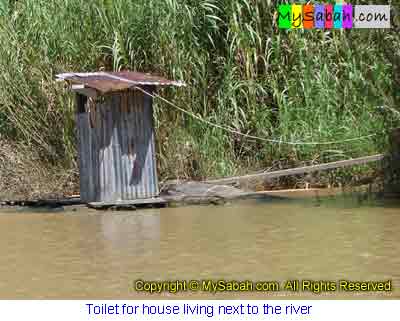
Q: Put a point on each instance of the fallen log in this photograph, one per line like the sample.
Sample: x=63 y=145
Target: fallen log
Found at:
x=181 y=193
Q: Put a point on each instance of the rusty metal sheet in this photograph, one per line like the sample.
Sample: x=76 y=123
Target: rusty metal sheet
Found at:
x=117 y=157
x=106 y=82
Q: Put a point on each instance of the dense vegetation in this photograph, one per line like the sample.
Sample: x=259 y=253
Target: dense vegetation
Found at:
x=242 y=72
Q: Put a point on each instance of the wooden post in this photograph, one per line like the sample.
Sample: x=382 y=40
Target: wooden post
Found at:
x=395 y=141
x=392 y=165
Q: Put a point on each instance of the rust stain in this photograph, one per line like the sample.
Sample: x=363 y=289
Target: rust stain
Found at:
x=136 y=168
x=131 y=147
x=124 y=102
x=92 y=112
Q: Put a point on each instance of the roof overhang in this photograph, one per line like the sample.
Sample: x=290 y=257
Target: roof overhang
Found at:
x=100 y=83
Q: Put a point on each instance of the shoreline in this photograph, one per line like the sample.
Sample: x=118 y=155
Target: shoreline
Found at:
x=181 y=200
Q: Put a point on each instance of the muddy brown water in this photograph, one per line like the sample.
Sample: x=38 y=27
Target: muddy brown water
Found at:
x=99 y=255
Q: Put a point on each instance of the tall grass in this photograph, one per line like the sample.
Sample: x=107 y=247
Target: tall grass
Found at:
x=242 y=72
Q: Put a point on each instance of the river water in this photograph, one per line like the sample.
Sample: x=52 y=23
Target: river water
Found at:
x=99 y=255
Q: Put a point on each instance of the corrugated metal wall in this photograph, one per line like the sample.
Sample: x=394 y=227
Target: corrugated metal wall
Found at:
x=117 y=148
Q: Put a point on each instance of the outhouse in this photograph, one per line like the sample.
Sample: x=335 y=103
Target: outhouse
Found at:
x=116 y=139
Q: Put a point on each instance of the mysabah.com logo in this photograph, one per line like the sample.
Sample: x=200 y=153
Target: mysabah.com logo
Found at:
x=328 y=16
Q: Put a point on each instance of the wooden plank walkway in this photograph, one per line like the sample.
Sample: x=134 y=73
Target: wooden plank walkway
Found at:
x=299 y=170
x=53 y=203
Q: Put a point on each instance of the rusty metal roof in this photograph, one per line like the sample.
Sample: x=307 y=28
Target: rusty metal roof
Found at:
x=105 y=82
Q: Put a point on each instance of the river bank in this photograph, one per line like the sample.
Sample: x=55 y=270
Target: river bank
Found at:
x=241 y=71
x=194 y=194
x=25 y=180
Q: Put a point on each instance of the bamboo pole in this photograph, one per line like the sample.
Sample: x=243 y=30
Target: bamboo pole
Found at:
x=300 y=170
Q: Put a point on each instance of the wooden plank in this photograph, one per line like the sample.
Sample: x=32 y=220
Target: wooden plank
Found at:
x=71 y=201
x=155 y=200
x=82 y=155
x=300 y=170
x=81 y=89
x=129 y=205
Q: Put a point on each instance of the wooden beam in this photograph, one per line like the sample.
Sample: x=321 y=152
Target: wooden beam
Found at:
x=300 y=170
x=81 y=89
x=77 y=86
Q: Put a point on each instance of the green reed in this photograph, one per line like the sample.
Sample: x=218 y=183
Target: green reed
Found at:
x=242 y=72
